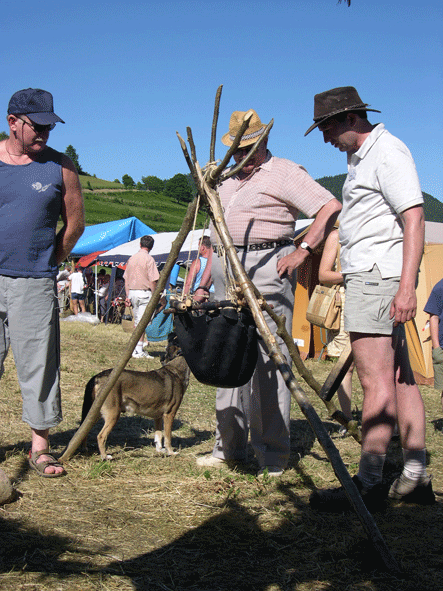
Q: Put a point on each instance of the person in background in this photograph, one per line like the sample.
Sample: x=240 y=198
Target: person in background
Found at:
x=37 y=186
x=434 y=307
x=77 y=290
x=329 y=274
x=103 y=282
x=141 y=276
x=381 y=244
x=199 y=280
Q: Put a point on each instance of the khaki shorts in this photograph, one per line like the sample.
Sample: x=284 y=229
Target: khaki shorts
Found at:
x=368 y=302
x=437 y=362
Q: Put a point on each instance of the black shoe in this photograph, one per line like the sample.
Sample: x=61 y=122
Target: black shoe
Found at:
x=408 y=491
x=334 y=500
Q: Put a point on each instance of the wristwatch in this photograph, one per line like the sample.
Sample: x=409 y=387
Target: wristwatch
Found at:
x=306 y=246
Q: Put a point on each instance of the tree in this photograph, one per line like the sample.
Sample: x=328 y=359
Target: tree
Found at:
x=178 y=188
x=153 y=183
x=128 y=181
x=72 y=153
x=3 y=136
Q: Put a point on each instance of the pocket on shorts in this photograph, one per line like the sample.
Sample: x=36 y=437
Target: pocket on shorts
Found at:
x=378 y=297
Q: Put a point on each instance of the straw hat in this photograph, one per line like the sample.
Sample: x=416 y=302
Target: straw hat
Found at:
x=252 y=133
x=334 y=101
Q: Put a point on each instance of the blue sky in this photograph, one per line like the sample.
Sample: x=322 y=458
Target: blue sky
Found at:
x=126 y=76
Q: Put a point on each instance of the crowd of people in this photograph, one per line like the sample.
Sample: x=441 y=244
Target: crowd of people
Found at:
x=374 y=255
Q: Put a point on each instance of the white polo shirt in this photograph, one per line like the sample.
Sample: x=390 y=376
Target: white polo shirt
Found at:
x=382 y=182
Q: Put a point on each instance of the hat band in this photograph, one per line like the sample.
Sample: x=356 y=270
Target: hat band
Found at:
x=248 y=136
x=357 y=107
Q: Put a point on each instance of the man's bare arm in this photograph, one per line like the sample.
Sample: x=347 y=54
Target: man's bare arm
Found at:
x=404 y=305
x=320 y=228
x=434 y=322
x=73 y=214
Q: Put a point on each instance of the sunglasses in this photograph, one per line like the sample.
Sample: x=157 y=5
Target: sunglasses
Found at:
x=37 y=127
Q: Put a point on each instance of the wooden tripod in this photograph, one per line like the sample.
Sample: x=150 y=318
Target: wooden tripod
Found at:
x=206 y=180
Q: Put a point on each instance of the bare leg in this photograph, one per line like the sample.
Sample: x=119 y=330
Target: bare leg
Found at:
x=410 y=407
x=82 y=305
x=374 y=361
x=344 y=394
x=75 y=306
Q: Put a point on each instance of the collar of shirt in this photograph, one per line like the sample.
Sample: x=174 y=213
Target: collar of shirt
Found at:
x=263 y=165
x=378 y=130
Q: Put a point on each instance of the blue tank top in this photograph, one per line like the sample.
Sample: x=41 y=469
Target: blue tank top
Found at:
x=30 y=206
x=199 y=275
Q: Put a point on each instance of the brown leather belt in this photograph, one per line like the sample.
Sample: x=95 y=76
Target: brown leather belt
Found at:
x=259 y=245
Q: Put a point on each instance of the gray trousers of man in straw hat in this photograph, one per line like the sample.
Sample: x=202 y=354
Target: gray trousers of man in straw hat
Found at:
x=262 y=406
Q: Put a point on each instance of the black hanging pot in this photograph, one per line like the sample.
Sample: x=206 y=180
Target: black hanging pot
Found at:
x=220 y=346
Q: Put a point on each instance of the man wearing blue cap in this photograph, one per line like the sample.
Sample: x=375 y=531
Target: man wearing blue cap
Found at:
x=37 y=186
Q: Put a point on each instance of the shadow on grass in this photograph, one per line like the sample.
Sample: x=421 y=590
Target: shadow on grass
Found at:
x=231 y=551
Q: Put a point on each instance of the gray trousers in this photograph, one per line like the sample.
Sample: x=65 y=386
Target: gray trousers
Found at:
x=29 y=323
x=262 y=406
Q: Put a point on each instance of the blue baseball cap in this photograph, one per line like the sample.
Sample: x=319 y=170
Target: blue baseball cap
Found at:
x=36 y=104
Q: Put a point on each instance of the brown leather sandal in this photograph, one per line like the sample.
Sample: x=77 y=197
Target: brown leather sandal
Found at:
x=41 y=466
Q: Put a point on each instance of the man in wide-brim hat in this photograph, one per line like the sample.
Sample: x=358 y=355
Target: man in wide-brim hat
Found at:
x=382 y=237
x=261 y=204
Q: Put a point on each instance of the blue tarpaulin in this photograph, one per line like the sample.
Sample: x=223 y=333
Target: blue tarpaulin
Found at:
x=109 y=235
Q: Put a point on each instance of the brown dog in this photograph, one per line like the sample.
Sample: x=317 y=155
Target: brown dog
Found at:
x=156 y=394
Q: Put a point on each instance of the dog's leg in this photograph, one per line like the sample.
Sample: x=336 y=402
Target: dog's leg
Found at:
x=111 y=417
x=168 y=419
x=158 y=423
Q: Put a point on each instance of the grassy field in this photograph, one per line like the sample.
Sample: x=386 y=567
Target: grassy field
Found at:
x=110 y=201
x=148 y=522
x=98 y=184
x=154 y=209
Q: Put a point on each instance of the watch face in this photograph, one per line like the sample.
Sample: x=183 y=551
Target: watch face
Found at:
x=304 y=245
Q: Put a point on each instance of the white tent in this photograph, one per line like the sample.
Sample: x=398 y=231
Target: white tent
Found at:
x=160 y=251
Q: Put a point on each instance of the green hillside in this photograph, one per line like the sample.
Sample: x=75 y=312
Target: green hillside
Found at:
x=156 y=210
x=433 y=208
x=87 y=182
x=109 y=201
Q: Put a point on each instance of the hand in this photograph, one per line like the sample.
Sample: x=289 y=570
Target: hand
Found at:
x=404 y=306
x=290 y=262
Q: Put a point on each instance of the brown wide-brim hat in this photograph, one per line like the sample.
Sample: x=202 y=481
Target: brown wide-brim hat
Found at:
x=335 y=101
x=252 y=133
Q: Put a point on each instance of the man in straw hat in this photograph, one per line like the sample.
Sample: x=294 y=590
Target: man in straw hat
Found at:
x=37 y=186
x=381 y=236
x=261 y=205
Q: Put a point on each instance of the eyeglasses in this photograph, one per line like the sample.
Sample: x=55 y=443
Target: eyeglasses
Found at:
x=37 y=127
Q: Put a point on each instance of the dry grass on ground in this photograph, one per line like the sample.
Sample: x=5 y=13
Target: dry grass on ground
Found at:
x=148 y=522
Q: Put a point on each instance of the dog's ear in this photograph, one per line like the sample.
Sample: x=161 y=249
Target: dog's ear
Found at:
x=173 y=348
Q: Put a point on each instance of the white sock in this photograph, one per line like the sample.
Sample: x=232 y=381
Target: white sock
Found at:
x=370 y=470
x=414 y=463
x=139 y=347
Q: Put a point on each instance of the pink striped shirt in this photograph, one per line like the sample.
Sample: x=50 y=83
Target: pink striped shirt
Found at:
x=140 y=271
x=265 y=206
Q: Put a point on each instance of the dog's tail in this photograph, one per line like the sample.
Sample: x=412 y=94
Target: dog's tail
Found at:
x=87 y=400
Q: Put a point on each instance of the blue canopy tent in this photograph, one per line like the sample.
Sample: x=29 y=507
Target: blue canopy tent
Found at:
x=102 y=237
x=109 y=235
